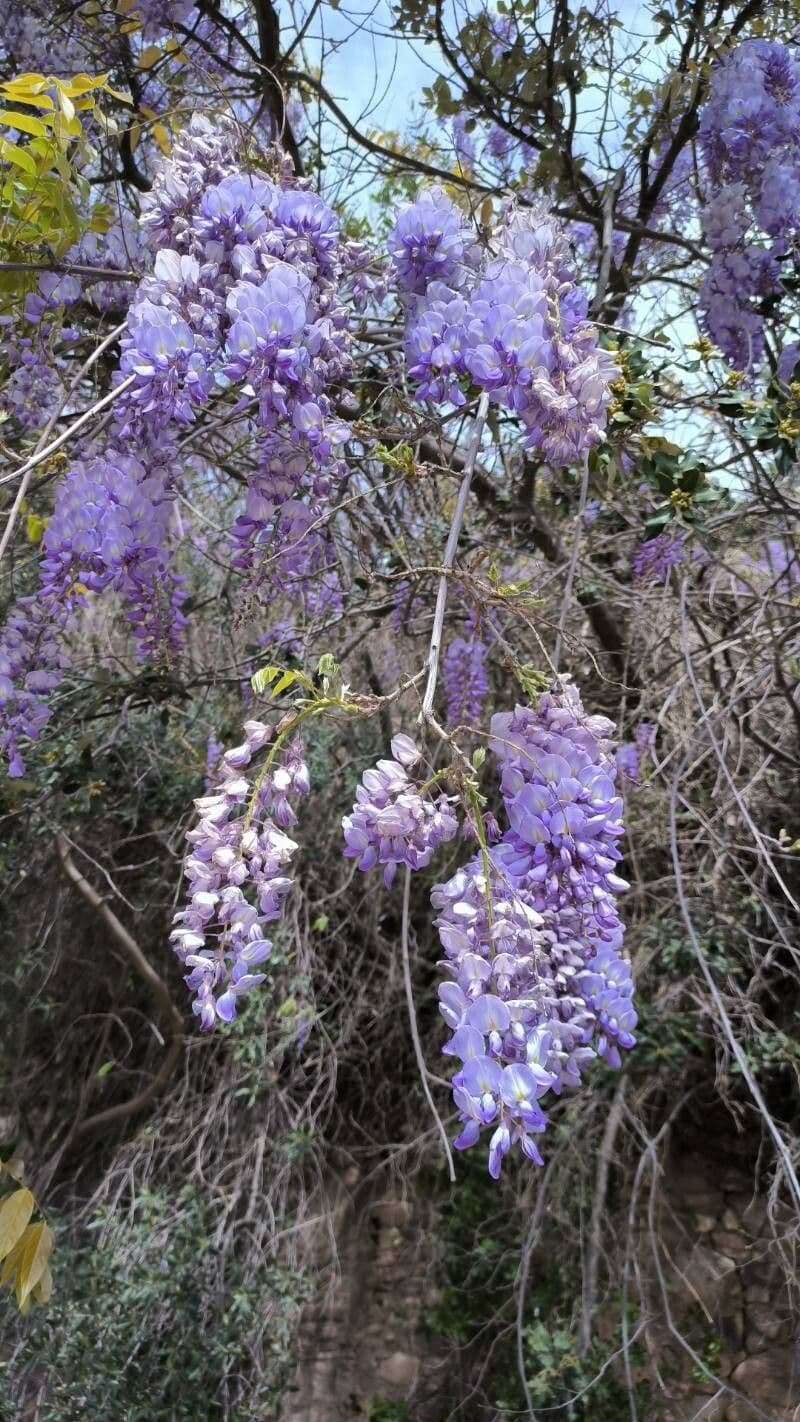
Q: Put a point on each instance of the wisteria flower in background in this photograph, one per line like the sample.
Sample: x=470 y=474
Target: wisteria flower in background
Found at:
x=465 y=676
x=654 y=558
x=237 y=873
x=395 y=820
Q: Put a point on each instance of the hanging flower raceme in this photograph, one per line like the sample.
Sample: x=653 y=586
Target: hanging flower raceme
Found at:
x=395 y=820
x=236 y=870
x=250 y=299
x=465 y=676
x=750 y=139
x=536 y=985
x=109 y=530
x=510 y=320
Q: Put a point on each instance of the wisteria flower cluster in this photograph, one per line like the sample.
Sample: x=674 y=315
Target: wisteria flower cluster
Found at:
x=250 y=297
x=394 y=820
x=509 y=320
x=108 y=530
x=465 y=675
x=750 y=138
x=237 y=872
x=631 y=754
x=536 y=984
x=654 y=557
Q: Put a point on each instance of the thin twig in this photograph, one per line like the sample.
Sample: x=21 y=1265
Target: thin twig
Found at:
x=39 y=452
x=591 y=1269
x=741 y=1059
x=169 y=1012
x=573 y=563
x=26 y=469
x=449 y=557
x=412 y=1021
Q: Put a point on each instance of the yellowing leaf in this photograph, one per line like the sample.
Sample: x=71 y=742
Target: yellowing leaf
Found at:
x=130 y=27
x=14 y=1215
x=162 y=138
x=43 y=1290
x=26 y=123
x=149 y=56
x=10 y=1263
x=34 y=83
x=82 y=83
x=67 y=106
x=33 y=1259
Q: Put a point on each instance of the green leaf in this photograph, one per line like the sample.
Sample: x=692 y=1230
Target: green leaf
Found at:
x=12 y=153
x=15 y=1213
x=286 y=680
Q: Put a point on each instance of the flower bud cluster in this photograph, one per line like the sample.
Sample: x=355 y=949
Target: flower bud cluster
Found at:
x=237 y=873
x=394 y=820
x=510 y=320
x=536 y=986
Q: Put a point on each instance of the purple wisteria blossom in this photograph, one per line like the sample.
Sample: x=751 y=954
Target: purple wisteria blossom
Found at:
x=510 y=321
x=750 y=138
x=654 y=558
x=108 y=530
x=237 y=873
x=394 y=820
x=536 y=986
x=465 y=676
x=431 y=242
x=250 y=297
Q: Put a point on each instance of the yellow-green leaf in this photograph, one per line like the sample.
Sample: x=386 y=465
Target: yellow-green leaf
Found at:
x=162 y=138
x=67 y=106
x=14 y=1215
x=32 y=83
x=33 y=1260
x=18 y=156
x=288 y=679
x=34 y=527
x=26 y=123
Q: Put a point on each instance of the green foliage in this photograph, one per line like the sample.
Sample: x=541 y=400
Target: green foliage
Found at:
x=479 y=1263
x=150 y=1320
x=382 y=1410
x=579 y=1386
